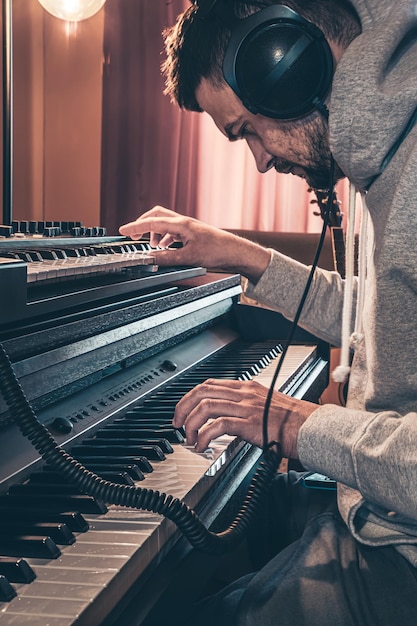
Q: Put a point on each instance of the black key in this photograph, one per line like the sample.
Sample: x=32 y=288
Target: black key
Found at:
x=60 y=533
x=158 y=426
x=93 y=447
x=74 y=520
x=140 y=461
x=120 y=478
x=153 y=421
x=170 y=435
x=164 y=444
x=16 y=570
x=72 y=252
x=139 y=421
x=130 y=424
x=44 y=488
x=136 y=423
x=60 y=253
x=78 y=502
x=131 y=470
x=34 y=255
x=163 y=406
x=157 y=412
x=116 y=430
x=30 y=546
x=47 y=476
x=24 y=256
x=163 y=399
x=48 y=254
x=6 y=231
x=7 y=592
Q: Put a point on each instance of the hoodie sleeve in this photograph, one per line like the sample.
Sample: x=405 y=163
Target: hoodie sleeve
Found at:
x=281 y=287
x=371 y=456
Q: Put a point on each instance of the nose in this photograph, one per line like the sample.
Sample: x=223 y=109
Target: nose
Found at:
x=264 y=160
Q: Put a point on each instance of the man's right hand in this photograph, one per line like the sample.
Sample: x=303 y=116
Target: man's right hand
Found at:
x=202 y=244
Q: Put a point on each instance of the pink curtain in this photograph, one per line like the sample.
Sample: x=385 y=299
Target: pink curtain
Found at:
x=152 y=153
x=148 y=145
x=233 y=194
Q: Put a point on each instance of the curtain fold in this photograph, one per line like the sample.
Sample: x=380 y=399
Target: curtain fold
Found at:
x=148 y=145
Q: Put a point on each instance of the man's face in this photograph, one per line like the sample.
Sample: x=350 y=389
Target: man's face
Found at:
x=298 y=147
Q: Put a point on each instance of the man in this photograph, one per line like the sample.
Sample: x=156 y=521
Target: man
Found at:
x=354 y=563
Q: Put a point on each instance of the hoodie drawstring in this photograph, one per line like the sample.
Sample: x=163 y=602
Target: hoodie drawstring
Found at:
x=341 y=372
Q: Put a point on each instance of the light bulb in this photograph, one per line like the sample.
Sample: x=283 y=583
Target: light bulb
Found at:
x=72 y=10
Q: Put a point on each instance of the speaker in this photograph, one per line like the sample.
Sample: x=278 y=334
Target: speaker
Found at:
x=277 y=63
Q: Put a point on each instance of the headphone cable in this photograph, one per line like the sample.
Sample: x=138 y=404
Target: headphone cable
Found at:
x=266 y=445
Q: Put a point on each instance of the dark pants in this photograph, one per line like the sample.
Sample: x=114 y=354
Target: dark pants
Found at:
x=311 y=572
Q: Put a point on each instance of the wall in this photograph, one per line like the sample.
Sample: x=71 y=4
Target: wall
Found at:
x=57 y=77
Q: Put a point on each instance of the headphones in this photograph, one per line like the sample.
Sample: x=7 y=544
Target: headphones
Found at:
x=278 y=63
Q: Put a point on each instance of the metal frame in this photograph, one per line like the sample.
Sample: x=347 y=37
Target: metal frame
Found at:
x=7 y=37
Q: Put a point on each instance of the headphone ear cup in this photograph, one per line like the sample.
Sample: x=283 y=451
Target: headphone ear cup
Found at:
x=278 y=64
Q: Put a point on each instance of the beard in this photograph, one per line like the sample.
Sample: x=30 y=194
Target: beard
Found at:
x=314 y=162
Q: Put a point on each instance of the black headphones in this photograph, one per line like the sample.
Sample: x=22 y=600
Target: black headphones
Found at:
x=277 y=63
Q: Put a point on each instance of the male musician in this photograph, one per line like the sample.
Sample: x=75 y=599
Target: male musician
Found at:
x=354 y=562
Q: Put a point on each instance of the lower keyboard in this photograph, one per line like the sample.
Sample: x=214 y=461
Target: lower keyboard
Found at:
x=90 y=576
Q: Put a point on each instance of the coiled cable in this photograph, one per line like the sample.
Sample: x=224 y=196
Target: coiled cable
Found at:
x=131 y=496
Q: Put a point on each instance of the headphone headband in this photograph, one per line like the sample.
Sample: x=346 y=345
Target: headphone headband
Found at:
x=278 y=63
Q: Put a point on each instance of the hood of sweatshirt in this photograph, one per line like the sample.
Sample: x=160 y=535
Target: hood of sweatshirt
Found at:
x=374 y=91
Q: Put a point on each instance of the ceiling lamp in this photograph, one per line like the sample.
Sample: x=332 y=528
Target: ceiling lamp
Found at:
x=72 y=10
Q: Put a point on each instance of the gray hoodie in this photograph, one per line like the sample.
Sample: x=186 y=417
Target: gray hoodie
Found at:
x=370 y=447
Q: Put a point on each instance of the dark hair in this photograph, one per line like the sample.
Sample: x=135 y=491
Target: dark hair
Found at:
x=195 y=47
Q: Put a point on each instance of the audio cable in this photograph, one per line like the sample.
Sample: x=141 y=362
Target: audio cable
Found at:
x=266 y=445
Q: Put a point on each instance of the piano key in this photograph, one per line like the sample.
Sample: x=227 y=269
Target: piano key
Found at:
x=121 y=478
x=60 y=533
x=150 y=428
x=29 y=546
x=7 y=592
x=48 y=254
x=159 y=410
x=92 y=459
x=162 y=437
x=47 y=475
x=6 y=230
x=23 y=255
x=34 y=611
x=164 y=444
x=73 y=252
x=136 y=421
x=16 y=570
x=43 y=488
x=74 y=520
x=95 y=447
x=81 y=503
x=121 y=435
x=104 y=470
x=163 y=399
